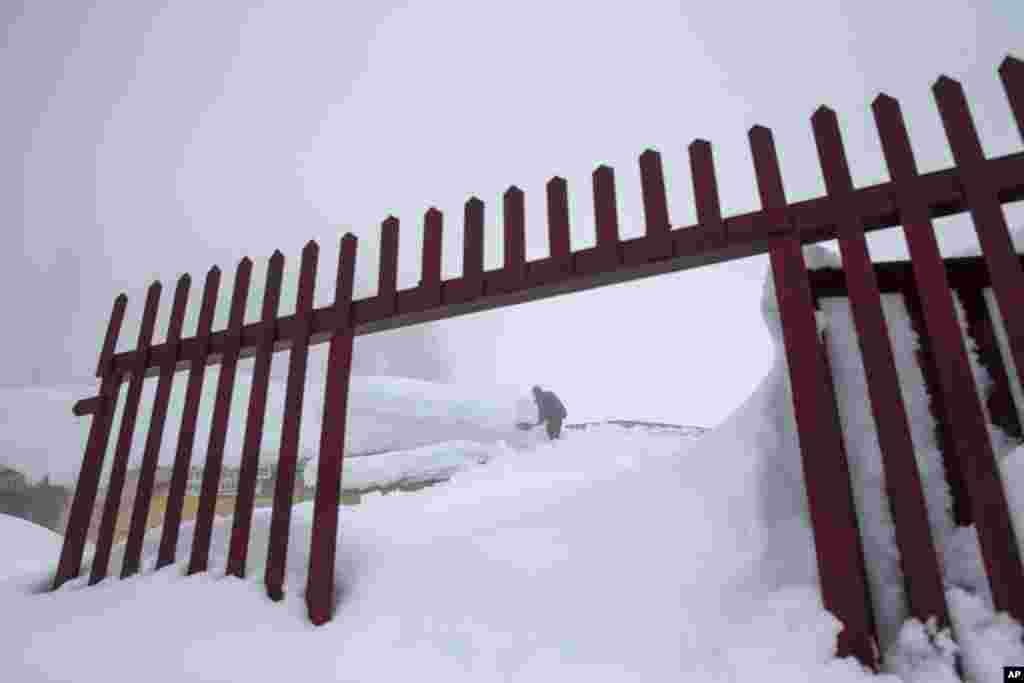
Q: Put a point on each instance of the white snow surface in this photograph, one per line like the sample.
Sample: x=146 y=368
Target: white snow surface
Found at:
x=615 y=554
x=28 y=547
x=435 y=462
x=40 y=436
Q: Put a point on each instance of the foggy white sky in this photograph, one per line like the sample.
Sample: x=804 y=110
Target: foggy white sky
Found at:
x=143 y=141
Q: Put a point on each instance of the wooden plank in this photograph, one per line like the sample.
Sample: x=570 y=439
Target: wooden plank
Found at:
x=70 y=564
x=187 y=431
x=118 y=471
x=1002 y=408
x=986 y=212
x=1011 y=72
x=937 y=407
x=837 y=543
x=473 y=247
x=241 y=525
x=999 y=544
x=656 y=243
x=427 y=294
x=280 y=521
x=323 y=542
x=386 y=301
x=430 y=270
x=557 y=266
x=559 y=244
x=470 y=286
x=607 y=254
x=87 y=406
x=705 y=193
x=918 y=557
x=199 y=558
x=749 y=235
x=154 y=438
x=512 y=277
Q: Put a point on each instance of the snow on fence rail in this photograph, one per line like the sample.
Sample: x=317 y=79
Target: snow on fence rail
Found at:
x=975 y=184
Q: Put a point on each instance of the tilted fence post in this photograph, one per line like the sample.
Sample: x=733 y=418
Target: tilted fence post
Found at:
x=70 y=564
x=199 y=558
x=324 y=540
x=975 y=459
x=118 y=471
x=147 y=472
x=242 y=523
x=187 y=431
x=840 y=555
x=918 y=557
x=280 y=521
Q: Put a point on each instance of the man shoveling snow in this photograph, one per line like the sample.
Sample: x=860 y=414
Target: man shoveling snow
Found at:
x=550 y=410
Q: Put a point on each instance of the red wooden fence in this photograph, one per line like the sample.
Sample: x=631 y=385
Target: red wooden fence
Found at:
x=976 y=185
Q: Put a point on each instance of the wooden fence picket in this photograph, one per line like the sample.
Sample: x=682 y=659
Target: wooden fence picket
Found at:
x=973 y=458
x=70 y=563
x=1011 y=72
x=841 y=570
x=925 y=594
x=284 y=486
x=323 y=542
x=154 y=437
x=119 y=469
x=242 y=523
x=199 y=558
x=187 y=431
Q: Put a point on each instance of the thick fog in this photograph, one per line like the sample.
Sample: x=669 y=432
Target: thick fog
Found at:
x=144 y=140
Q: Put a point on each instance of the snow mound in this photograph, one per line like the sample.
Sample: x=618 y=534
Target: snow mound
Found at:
x=29 y=548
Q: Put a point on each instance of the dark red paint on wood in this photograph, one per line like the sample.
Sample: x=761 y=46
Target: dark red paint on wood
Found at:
x=242 y=523
x=1011 y=72
x=705 y=193
x=974 y=455
x=199 y=559
x=119 y=469
x=918 y=556
x=284 y=486
x=70 y=564
x=154 y=438
x=841 y=569
x=323 y=543
x=187 y=431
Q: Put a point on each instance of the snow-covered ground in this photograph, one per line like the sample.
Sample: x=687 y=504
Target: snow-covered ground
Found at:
x=28 y=547
x=615 y=554
x=40 y=436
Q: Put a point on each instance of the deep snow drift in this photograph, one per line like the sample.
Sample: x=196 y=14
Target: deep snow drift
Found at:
x=614 y=555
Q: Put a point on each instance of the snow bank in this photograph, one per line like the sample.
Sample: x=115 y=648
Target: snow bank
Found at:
x=436 y=462
x=28 y=547
x=612 y=555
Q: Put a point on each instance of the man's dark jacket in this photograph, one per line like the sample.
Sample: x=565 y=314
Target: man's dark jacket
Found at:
x=549 y=407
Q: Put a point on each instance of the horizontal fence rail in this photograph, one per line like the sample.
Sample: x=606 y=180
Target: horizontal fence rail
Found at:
x=748 y=235
x=974 y=185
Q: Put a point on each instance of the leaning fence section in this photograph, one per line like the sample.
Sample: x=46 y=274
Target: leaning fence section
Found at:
x=975 y=185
